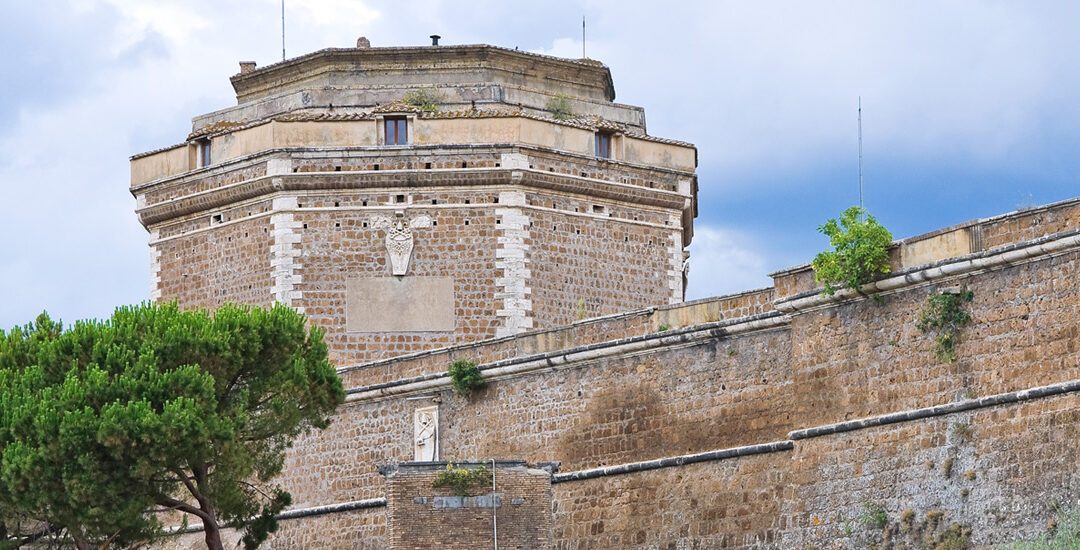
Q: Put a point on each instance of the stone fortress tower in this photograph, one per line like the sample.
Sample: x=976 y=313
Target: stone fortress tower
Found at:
x=417 y=197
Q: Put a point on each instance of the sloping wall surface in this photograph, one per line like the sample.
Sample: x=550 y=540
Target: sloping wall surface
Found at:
x=776 y=418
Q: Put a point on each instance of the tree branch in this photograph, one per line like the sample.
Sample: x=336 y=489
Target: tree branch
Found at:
x=183 y=507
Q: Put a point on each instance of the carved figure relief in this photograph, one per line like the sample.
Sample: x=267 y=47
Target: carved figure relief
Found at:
x=426 y=434
x=399 y=239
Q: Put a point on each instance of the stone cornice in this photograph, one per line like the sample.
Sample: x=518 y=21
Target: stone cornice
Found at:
x=405 y=179
x=255 y=84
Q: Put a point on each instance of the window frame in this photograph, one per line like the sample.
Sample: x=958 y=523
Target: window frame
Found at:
x=399 y=123
x=603 y=144
x=205 y=156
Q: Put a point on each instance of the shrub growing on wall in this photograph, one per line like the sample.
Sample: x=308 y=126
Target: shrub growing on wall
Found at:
x=465 y=377
x=944 y=314
x=462 y=480
x=425 y=99
x=860 y=251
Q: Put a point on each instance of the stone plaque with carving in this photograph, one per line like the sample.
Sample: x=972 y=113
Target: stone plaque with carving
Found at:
x=426 y=434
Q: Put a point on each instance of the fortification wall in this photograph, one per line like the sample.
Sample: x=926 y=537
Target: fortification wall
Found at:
x=768 y=419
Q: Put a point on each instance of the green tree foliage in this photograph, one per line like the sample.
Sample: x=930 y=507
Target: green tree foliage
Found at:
x=860 y=251
x=108 y=422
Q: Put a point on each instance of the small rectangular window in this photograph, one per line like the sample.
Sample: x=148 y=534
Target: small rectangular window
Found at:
x=603 y=145
x=396 y=129
x=204 y=153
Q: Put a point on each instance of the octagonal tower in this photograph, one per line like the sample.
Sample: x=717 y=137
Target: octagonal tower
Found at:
x=412 y=198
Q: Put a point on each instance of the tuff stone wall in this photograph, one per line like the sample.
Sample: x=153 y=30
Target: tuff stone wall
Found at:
x=613 y=392
x=520 y=258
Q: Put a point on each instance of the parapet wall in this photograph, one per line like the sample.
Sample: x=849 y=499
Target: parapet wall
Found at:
x=774 y=418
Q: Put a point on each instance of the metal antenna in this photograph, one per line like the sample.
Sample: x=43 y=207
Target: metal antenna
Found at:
x=583 y=37
x=283 y=30
x=860 y=155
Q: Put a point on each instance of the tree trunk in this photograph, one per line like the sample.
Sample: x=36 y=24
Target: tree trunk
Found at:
x=212 y=535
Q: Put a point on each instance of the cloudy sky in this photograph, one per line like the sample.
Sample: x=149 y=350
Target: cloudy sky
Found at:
x=970 y=109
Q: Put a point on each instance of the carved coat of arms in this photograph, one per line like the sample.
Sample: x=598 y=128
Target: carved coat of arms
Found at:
x=399 y=239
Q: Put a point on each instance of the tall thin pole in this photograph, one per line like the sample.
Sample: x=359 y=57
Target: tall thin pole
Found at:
x=583 y=37
x=494 y=517
x=860 y=155
x=283 y=30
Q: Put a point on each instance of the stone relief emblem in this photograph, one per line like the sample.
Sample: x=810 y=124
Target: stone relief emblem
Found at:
x=426 y=434
x=399 y=238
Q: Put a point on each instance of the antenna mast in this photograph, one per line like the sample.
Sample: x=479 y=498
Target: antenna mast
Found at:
x=582 y=37
x=860 y=155
x=283 y=30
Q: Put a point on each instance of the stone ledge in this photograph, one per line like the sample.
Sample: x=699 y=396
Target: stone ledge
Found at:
x=405 y=179
x=517 y=366
x=631 y=467
x=301 y=513
x=938 y=410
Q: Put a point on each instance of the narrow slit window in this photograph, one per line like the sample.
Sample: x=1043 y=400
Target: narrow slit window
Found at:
x=603 y=145
x=204 y=153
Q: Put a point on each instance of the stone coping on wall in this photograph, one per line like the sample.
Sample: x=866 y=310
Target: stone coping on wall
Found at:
x=969 y=239
x=581 y=355
x=438 y=465
x=595 y=330
x=298 y=513
x=1012 y=254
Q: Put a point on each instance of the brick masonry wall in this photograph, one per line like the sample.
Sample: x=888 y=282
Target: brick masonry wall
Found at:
x=996 y=473
x=342 y=244
x=861 y=359
x=515 y=266
x=585 y=266
x=735 y=503
x=209 y=267
x=421 y=516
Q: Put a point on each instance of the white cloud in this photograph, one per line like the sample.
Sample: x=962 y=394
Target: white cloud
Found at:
x=766 y=90
x=724 y=261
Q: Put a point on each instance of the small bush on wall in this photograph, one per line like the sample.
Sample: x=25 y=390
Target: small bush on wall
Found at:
x=860 y=251
x=944 y=315
x=465 y=377
x=425 y=99
x=462 y=480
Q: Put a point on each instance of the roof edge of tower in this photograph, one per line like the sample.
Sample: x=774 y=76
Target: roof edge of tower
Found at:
x=254 y=83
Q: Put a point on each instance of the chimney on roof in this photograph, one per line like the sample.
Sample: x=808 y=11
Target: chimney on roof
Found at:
x=363 y=42
x=247 y=66
x=435 y=39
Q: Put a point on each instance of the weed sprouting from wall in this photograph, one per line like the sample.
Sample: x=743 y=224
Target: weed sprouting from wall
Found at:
x=425 y=99
x=462 y=480
x=944 y=315
x=559 y=107
x=1063 y=532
